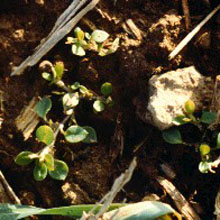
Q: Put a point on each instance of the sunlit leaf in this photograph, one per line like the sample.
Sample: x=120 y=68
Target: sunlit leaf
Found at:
x=208 y=117
x=204 y=149
x=83 y=89
x=23 y=158
x=45 y=134
x=172 y=136
x=78 y=50
x=189 y=107
x=181 y=120
x=49 y=161
x=75 y=134
x=71 y=100
x=99 y=36
x=91 y=137
x=98 y=106
x=47 y=76
x=59 y=68
x=106 y=88
x=79 y=33
x=204 y=167
x=75 y=86
x=60 y=171
x=40 y=171
x=43 y=107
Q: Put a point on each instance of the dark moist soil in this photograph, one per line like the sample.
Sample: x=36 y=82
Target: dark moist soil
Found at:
x=23 y=24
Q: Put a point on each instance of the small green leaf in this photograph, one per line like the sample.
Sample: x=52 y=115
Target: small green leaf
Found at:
x=45 y=134
x=98 y=106
x=78 y=50
x=75 y=134
x=60 y=171
x=91 y=137
x=181 y=120
x=189 y=107
x=204 y=149
x=83 y=89
x=114 y=46
x=208 y=117
x=99 y=36
x=172 y=136
x=79 y=33
x=59 y=68
x=218 y=141
x=71 y=100
x=47 y=76
x=40 y=171
x=106 y=88
x=43 y=107
x=204 y=166
x=87 y=36
x=75 y=86
x=49 y=161
x=23 y=158
x=109 y=101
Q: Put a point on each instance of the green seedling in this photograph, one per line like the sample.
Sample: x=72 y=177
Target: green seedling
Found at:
x=45 y=163
x=97 y=41
x=173 y=135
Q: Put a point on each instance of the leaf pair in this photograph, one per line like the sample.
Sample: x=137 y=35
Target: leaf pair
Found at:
x=57 y=169
x=56 y=73
x=76 y=134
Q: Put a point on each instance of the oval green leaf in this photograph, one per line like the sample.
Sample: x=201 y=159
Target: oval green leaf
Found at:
x=49 y=161
x=40 y=171
x=71 y=100
x=181 y=120
x=204 y=167
x=60 y=171
x=43 y=107
x=45 y=134
x=208 y=117
x=98 y=106
x=23 y=158
x=172 y=136
x=47 y=76
x=99 y=36
x=204 y=149
x=91 y=137
x=59 y=68
x=106 y=88
x=78 y=50
x=75 y=134
x=75 y=86
x=218 y=141
x=190 y=107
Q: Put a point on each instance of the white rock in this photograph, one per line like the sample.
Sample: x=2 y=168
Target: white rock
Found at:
x=169 y=92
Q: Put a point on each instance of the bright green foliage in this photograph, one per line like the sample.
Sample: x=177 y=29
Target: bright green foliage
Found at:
x=45 y=134
x=40 y=171
x=24 y=158
x=172 y=136
x=148 y=210
x=208 y=117
x=91 y=137
x=49 y=161
x=204 y=166
x=181 y=120
x=97 y=42
x=98 y=106
x=43 y=107
x=75 y=134
x=204 y=149
x=60 y=171
x=106 y=89
x=99 y=36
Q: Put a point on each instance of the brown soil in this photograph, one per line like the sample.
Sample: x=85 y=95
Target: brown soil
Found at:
x=24 y=23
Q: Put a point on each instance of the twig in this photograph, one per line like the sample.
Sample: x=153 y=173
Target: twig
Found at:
x=189 y=37
x=63 y=26
x=181 y=203
x=186 y=13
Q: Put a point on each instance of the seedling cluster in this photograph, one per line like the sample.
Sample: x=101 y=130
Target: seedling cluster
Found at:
x=46 y=134
x=97 y=41
x=173 y=135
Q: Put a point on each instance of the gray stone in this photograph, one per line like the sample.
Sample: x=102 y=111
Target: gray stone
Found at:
x=169 y=92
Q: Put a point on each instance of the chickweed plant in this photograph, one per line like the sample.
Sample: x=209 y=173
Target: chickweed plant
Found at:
x=173 y=135
x=46 y=134
x=97 y=41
